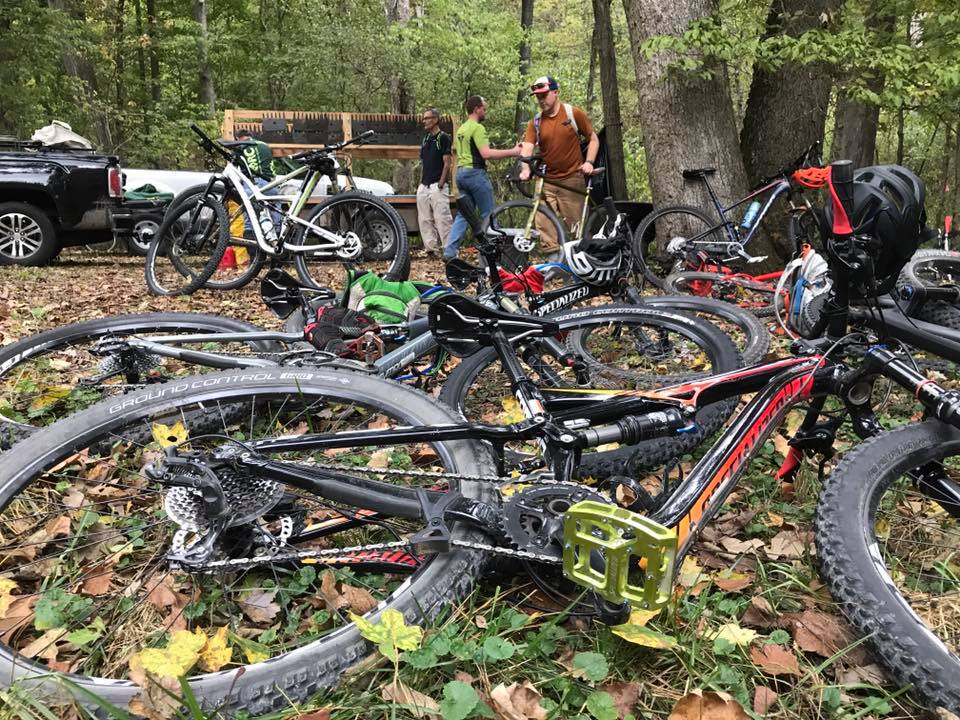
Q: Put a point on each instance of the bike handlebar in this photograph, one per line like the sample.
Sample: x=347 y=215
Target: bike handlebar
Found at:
x=327 y=149
x=209 y=144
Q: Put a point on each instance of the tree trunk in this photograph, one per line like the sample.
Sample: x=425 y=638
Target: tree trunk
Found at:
x=787 y=107
x=119 y=66
x=603 y=31
x=79 y=67
x=523 y=100
x=594 y=59
x=208 y=95
x=141 y=55
x=856 y=123
x=154 y=55
x=687 y=120
x=401 y=97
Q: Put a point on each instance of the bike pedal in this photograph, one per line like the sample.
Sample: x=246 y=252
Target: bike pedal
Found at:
x=603 y=545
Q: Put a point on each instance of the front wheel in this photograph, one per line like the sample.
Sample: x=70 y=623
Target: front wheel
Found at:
x=657 y=237
x=374 y=227
x=888 y=554
x=188 y=246
x=102 y=569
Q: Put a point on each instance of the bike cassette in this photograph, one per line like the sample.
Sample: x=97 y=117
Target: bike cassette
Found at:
x=247 y=497
x=533 y=517
x=619 y=554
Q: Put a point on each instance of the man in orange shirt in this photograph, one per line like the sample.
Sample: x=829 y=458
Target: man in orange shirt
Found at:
x=557 y=129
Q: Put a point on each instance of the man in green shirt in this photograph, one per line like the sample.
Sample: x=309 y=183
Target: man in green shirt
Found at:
x=256 y=154
x=473 y=151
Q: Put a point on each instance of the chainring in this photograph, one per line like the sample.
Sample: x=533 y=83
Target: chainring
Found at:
x=533 y=517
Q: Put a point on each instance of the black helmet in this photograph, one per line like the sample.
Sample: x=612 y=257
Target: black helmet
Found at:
x=888 y=222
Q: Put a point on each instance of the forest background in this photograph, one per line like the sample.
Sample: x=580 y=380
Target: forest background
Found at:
x=741 y=85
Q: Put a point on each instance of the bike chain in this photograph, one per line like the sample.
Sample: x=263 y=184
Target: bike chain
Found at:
x=276 y=555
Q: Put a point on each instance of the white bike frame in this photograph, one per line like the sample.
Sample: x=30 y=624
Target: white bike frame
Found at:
x=247 y=189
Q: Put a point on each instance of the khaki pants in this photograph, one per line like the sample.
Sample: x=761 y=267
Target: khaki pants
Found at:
x=433 y=216
x=566 y=204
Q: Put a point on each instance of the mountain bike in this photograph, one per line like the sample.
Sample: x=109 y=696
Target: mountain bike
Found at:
x=333 y=470
x=196 y=230
x=684 y=239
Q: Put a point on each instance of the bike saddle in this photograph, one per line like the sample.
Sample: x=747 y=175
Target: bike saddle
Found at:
x=694 y=173
x=462 y=325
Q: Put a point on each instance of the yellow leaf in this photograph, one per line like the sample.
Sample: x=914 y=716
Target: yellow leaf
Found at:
x=642 y=617
x=512 y=489
x=639 y=635
x=511 y=411
x=216 y=653
x=733 y=633
x=391 y=634
x=168 y=436
x=6 y=598
x=175 y=660
x=49 y=397
x=690 y=572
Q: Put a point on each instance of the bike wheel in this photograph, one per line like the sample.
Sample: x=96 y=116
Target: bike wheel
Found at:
x=515 y=219
x=51 y=374
x=624 y=347
x=242 y=258
x=189 y=244
x=106 y=565
x=752 y=338
x=888 y=555
x=651 y=242
x=371 y=224
x=740 y=291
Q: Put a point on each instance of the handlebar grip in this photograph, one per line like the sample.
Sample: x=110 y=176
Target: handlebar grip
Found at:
x=841 y=191
x=368 y=133
x=197 y=130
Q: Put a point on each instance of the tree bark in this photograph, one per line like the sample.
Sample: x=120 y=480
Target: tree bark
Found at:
x=787 y=107
x=687 y=120
x=402 y=99
x=208 y=95
x=119 y=66
x=141 y=55
x=155 y=88
x=523 y=101
x=856 y=123
x=594 y=59
x=609 y=87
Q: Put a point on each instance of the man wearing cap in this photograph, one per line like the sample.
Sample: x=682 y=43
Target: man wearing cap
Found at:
x=433 y=195
x=473 y=151
x=557 y=129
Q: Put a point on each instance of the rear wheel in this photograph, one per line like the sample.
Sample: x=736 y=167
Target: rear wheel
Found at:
x=284 y=627
x=652 y=250
x=744 y=292
x=188 y=247
x=888 y=553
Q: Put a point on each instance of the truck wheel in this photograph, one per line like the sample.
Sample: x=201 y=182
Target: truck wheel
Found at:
x=27 y=235
x=144 y=230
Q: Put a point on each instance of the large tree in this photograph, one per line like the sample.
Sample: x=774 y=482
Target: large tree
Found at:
x=603 y=32
x=787 y=106
x=687 y=118
x=402 y=99
x=208 y=95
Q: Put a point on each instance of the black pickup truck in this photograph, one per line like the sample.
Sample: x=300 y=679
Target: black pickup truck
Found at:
x=52 y=198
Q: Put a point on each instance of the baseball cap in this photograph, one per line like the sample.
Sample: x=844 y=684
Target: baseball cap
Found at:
x=544 y=84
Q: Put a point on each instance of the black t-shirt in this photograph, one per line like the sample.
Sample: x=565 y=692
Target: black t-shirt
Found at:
x=432 y=150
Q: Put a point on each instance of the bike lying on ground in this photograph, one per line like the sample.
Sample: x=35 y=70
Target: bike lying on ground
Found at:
x=196 y=229
x=219 y=486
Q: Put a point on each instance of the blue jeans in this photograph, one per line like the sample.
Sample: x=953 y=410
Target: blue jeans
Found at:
x=475 y=184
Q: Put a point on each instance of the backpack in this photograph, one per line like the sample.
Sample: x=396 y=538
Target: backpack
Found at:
x=568 y=108
x=386 y=301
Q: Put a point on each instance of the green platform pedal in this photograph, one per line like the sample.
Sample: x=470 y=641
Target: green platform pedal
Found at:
x=631 y=545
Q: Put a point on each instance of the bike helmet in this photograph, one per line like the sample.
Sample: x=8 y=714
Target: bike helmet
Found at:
x=592 y=268
x=888 y=221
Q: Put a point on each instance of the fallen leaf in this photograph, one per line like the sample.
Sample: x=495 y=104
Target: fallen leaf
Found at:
x=420 y=705
x=763 y=699
x=168 y=436
x=781 y=444
x=6 y=599
x=786 y=544
x=44 y=646
x=625 y=696
x=358 y=599
x=512 y=413
x=761 y=614
x=641 y=617
x=639 y=635
x=480 y=621
x=517 y=702
x=162 y=595
x=871 y=674
x=740 y=547
x=775 y=660
x=464 y=677
x=732 y=581
x=58 y=527
x=159 y=697
x=821 y=633
x=98 y=584
x=258 y=605
x=774 y=520
x=176 y=659
x=328 y=591
x=700 y=705
x=216 y=653
x=379 y=459
x=690 y=572
x=733 y=633
x=321 y=714
x=73 y=499
x=18 y=614
x=391 y=633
